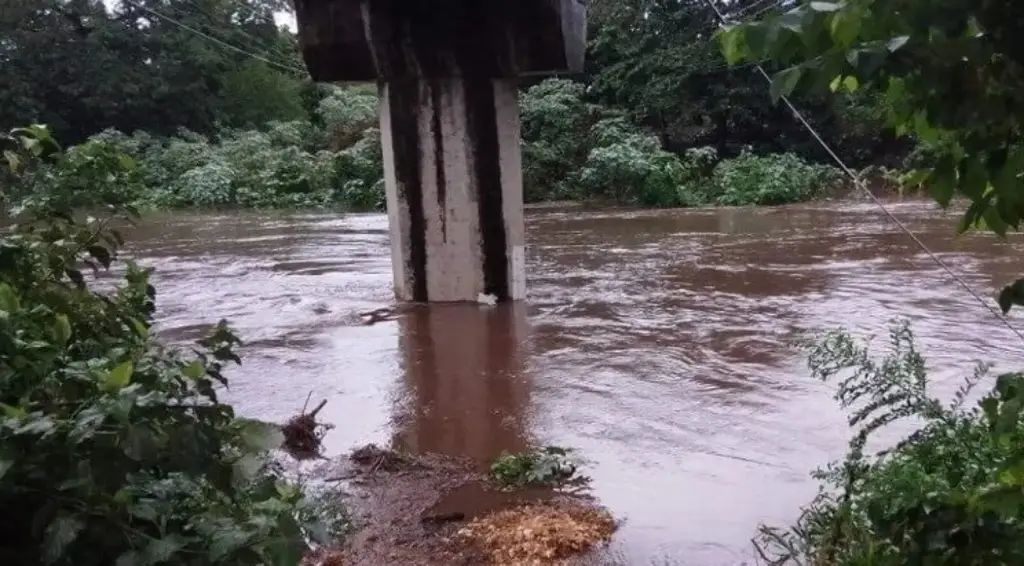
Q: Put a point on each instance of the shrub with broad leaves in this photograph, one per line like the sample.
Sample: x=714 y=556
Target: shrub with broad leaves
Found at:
x=115 y=450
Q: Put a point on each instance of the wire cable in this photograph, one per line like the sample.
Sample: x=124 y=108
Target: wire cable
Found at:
x=210 y=38
x=254 y=43
x=859 y=183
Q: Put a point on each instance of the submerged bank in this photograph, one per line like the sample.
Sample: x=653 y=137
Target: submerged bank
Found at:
x=432 y=510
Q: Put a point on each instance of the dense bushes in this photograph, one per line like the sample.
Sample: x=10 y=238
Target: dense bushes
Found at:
x=114 y=450
x=950 y=493
x=770 y=179
x=576 y=150
x=572 y=150
x=336 y=163
x=249 y=168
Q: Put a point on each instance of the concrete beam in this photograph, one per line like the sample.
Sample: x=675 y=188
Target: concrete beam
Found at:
x=453 y=176
x=364 y=40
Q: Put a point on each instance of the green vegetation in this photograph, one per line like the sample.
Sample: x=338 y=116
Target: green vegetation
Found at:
x=210 y=126
x=772 y=179
x=575 y=150
x=948 y=74
x=550 y=466
x=114 y=449
x=950 y=493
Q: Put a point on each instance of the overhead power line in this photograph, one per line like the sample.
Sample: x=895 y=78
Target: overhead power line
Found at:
x=253 y=41
x=219 y=42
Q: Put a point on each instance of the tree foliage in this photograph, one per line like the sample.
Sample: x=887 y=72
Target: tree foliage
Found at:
x=950 y=71
x=81 y=68
x=658 y=61
x=114 y=449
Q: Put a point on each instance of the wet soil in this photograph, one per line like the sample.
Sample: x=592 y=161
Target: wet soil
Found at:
x=409 y=509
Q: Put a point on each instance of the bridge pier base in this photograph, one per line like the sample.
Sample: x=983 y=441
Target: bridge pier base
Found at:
x=452 y=171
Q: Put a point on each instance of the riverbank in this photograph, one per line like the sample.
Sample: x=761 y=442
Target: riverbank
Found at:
x=434 y=510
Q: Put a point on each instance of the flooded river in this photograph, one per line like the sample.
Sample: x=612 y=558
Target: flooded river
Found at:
x=657 y=343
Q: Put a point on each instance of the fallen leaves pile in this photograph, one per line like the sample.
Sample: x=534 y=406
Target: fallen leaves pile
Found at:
x=539 y=534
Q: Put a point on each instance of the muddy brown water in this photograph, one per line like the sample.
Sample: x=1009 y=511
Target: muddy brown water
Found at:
x=657 y=343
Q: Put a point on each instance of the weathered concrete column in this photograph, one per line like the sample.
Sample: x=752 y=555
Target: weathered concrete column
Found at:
x=453 y=174
x=449 y=124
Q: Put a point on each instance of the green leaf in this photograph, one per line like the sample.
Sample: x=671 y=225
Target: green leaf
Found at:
x=13 y=412
x=825 y=6
x=62 y=329
x=1005 y=502
x=60 y=533
x=130 y=558
x=792 y=20
x=119 y=376
x=756 y=39
x=845 y=27
x=973 y=178
x=259 y=436
x=227 y=540
x=163 y=549
x=140 y=444
x=4 y=466
x=246 y=467
x=972 y=217
x=194 y=370
x=1012 y=295
x=102 y=255
x=943 y=181
x=896 y=43
x=916 y=178
x=991 y=220
x=836 y=82
x=1007 y=181
x=924 y=129
x=145 y=510
x=785 y=82
x=9 y=299
x=14 y=162
x=851 y=83
x=733 y=44
x=140 y=328
x=76 y=277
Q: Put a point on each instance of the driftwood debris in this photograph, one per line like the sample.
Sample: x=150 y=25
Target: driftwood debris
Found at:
x=378 y=315
x=303 y=435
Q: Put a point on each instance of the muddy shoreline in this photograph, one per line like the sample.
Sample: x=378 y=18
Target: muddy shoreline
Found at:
x=417 y=510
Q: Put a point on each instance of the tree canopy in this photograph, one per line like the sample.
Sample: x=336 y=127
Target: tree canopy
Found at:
x=81 y=68
x=951 y=72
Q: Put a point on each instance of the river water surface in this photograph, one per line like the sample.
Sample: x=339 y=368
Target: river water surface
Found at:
x=657 y=343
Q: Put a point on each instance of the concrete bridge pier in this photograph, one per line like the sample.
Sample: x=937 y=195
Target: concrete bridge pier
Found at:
x=453 y=176
x=449 y=124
